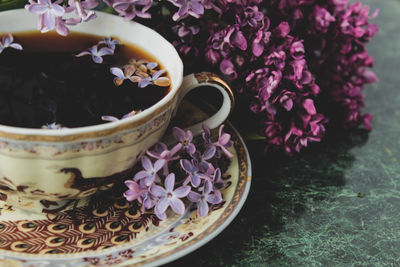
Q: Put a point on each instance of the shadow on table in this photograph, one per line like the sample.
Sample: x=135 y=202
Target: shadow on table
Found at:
x=282 y=187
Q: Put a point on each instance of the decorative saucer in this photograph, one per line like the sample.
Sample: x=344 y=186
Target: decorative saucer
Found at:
x=106 y=230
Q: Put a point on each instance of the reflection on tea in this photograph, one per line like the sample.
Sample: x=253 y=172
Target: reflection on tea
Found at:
x=75 y=81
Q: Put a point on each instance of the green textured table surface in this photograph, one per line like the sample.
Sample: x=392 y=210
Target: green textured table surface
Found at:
x=336 y=204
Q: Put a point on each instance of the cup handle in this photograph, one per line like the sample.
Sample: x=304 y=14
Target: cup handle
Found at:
x=195 y=80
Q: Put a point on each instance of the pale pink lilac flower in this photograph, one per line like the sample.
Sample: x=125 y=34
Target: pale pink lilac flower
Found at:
x=129 y=9
x=194 y=8
x=194 y=174
x=161 y=152
x=80 y=8
x=185 y=138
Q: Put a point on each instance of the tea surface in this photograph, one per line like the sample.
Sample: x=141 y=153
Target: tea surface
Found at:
x=46 y=83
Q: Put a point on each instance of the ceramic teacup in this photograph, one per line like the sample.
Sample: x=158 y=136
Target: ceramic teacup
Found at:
x=74 y=163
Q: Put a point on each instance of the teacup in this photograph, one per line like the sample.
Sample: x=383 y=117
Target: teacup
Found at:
x=74 y=163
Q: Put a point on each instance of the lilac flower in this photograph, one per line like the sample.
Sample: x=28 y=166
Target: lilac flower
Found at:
x=134 y=192
x=112 y=118
x=322 y=18
x=149 y=174
x=161 y=152
x=260 y=42
x=50 y=15
x=169 y=197
x=252 y=17
x=129 y=9
x=194 y=175
x=126 y=74
x=96 y=53
x=109 y=42
x=155 y=79
x=224 y=141
x=53 y=126
x=202 y=159
x=194 y=8
x=185 y=139
x=217 y=181
x=204 y=198
x=7 y=41
x=79 y=8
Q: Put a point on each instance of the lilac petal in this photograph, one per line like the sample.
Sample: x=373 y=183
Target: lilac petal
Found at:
x=158 y=74
x=146 y=163
x=308 y=105
x=194 y=197
x=202 y=208
x=109 y=118
x=239 y=40
x=159 y=164
x=177 y=205
x=162 y=206
x=209 y=153
x=176 y=148
x=195 y=180
x=117 y=72
x=49 y=21
x=105 y=51
x=58 y=10
x=207 y=187
x=16 y=46
x=191 y=149
x=158 y=191
x=130 y=195
x=178 y=133
x=151 y=65
x=97 y=59
x=84 y=53
x=197 y=8
x=170 y=182
x=186 y=165
x=132 y=185
x=37 y=8
x=144 y=82
x=182 y=191
x=140 y=175
x=215 y=198
x=7 y=39
x=224 y=139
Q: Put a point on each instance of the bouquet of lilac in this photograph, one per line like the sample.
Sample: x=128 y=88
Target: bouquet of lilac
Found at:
x=296 y=65
x=184 y=171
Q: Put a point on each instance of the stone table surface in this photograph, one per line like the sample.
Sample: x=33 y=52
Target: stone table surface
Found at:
x=336 y=204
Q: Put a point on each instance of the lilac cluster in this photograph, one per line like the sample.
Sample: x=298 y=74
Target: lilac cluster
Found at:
x=103 y=48
x=52 y=14
x=335 y=34
x=184 y=171
x=298 y=64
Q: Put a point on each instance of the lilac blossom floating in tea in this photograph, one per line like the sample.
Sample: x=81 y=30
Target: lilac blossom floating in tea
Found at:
x=8 y=41
x=96 y=53
x=112 y=118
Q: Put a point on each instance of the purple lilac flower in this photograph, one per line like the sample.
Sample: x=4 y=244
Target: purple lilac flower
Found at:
x=224 y=141
x=109 y=42
x=194 y=174
x=194 y=8
x=161 y=152
x=155 y=79
x=134 y=192
x=204 y=198
x=129 y=9
x=169 y=197
x=126 y=74
x=50 y=15
x=96 y=53
x=202 y=160
x=79 y=7
x=185 y=138
x=217 y=181
x=8 y=41
x=149 y=174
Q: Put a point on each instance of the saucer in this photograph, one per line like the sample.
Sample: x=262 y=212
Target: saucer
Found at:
x=106 y=230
